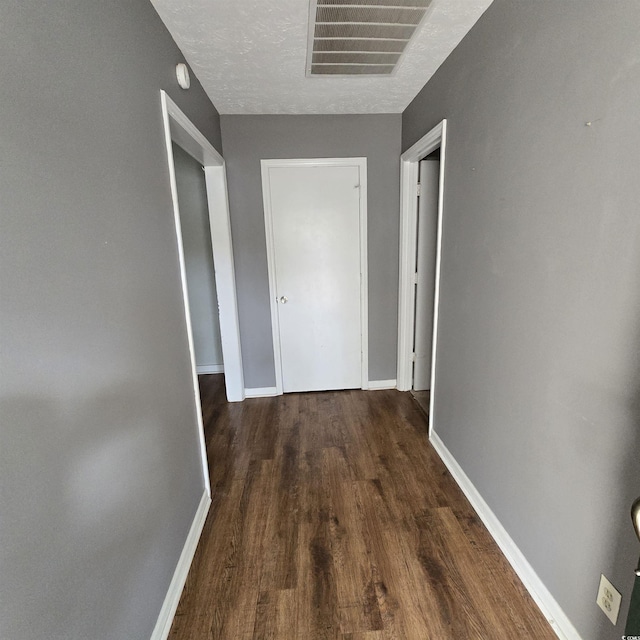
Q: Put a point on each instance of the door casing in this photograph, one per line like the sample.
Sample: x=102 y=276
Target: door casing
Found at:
x=425 y=273
x=409 y=160
x=178 y=128
x=361 y=163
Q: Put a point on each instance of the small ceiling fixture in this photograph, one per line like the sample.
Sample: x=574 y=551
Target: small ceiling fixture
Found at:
x=182 y=74
x=360 y=37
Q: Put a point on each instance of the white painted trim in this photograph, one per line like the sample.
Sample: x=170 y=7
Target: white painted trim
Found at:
x=361 y=163
x=436 y=293
x=262 y=392
x=382 y=384
x=268 y=229
x=224 y=271
x=180 y=129
x=407 y=267
x=409 y=160
x=172 y=599
x=203 y=369
x=547 y=604
x=364 y=275
x=166 y=117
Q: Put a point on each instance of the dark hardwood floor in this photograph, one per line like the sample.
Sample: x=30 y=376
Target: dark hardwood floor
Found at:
x=333 y=518
x=422 y=398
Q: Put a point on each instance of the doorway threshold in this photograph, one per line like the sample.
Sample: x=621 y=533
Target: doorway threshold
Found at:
x=422 y=400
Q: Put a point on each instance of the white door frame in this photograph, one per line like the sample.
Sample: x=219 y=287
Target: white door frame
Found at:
x=361 y=163
x=178 y=128
x=409 y=169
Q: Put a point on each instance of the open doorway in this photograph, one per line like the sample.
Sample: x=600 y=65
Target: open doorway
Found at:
x=198 y=260
x=198 y=183
x=427 y=228
x=421 y=213
x=199 y=271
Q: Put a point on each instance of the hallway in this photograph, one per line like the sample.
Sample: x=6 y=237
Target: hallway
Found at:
x=333 y=518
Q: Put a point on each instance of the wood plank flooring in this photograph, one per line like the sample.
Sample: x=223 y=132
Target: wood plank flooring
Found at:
x=422 y=398
x=334 y=519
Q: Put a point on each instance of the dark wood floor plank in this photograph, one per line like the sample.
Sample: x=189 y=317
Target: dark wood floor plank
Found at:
x=333 y=518
x=396 y=599
x=281 y=533
x=451 y=575
x=246 y=554
x=357 y=603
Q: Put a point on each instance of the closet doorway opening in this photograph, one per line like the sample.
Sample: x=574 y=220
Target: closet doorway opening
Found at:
x=182 y=136
x=421 y=213
x=198 y=260
x=425 y=280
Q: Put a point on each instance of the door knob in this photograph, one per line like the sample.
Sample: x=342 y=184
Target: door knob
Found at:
x=284 y=299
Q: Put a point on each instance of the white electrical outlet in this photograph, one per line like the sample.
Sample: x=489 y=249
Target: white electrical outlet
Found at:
x=609 y=599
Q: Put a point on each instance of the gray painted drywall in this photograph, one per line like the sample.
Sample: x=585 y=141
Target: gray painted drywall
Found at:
x=198 y=258
x=100 y=470
x=247 y=140
x=538 y=374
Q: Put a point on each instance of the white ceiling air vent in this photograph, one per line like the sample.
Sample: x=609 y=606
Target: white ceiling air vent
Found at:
x=360 y=37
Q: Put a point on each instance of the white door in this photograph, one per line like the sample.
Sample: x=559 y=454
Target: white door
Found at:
x=313 y=214
x=426 y=272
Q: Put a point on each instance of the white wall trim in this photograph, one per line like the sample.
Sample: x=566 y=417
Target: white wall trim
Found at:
x=262 y=392
x=172 y=599
x=273 y=304
x=178 y=128
x=364 y=270
x=382 y=384
x=364 y=275
x=547 y=604
x=209 y=368
x=409 y=160
x=224 y=271
x=169 y=108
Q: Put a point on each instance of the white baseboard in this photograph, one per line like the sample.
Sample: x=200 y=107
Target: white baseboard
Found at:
x=261 y=392
x=267 y=392
x=547 y=604
x=382 y=384
x=171 y=600
x=209 y=368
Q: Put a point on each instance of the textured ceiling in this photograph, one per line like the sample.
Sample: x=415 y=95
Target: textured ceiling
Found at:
x=250 y=56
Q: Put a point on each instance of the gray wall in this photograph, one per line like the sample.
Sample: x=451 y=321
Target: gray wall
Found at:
x=99 y=462
x=247 y=140
x=198 y=258
x=538 y=374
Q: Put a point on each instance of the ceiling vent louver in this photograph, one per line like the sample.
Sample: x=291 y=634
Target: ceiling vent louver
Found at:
x=360 y=37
